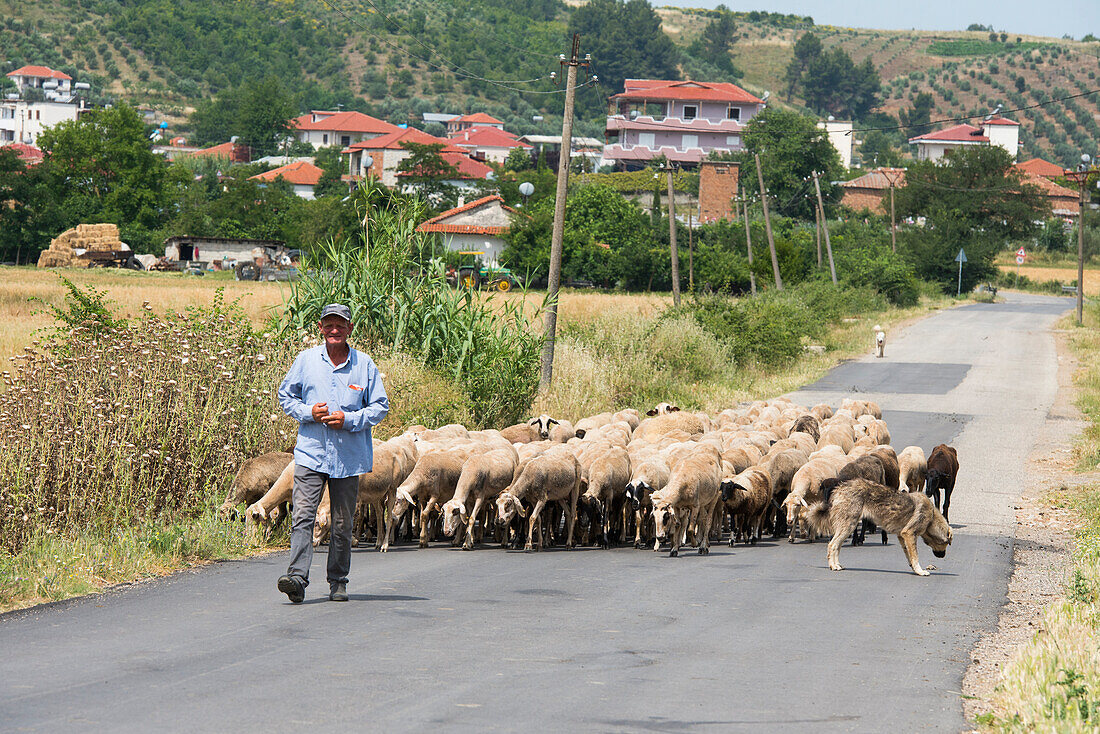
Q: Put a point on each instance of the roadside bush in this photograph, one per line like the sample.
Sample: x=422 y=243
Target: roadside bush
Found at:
x=682 y=345
x=109 y=424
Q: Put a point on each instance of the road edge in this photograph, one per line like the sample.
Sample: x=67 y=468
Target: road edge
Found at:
x=1043 y=537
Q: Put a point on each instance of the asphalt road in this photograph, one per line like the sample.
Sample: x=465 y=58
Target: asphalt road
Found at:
x=747 y=639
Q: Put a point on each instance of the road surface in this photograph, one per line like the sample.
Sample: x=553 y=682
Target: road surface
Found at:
x=747 y=639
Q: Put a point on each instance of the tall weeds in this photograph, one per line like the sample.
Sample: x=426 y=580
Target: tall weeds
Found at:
x=108 y=423
x=400 y=300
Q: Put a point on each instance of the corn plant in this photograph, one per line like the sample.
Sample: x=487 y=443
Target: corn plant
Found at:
x=400 y=299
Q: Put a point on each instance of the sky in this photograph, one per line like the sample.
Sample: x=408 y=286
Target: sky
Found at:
x=1048 y=18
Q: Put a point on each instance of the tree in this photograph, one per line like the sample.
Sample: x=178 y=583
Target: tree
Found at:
x=99 y=168
x=806 y=48
x=17 y=195
x=791 y=148
x=428 y=171
x=263 y=116
x=834 y=84
x=977 y=200
x=878 y=151
x=329 y=160
x=625 y=40
x=717 y=40
x=915 y=120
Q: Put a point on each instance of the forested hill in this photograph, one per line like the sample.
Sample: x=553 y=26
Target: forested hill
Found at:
x=399 y=58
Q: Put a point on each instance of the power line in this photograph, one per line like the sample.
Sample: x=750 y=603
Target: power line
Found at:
x=971 y=117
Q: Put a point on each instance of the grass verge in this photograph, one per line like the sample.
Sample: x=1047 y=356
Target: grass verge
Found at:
x=1052 y=683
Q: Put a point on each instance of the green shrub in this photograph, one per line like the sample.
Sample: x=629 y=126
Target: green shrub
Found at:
x=682 y=345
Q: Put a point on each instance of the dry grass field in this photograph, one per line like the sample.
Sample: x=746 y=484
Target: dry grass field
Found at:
x=1065 y=275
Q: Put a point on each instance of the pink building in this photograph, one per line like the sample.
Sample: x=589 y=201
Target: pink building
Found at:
x=684 y=121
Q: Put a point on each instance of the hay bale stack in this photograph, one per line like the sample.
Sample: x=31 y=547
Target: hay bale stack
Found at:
x=90 y=237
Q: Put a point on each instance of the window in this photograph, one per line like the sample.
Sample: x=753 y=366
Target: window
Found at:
x=733 y=141
x=691 y=111
x=324 y=139
x=647 y=140
x=689 y=141
x=345 y=140
x=733 y=113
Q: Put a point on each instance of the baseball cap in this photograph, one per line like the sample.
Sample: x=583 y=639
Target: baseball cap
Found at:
x=336 y=309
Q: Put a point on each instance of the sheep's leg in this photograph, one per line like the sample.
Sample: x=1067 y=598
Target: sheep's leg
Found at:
x=425 y=520
x=532 y=521
x=638 y=544
x=469 y=544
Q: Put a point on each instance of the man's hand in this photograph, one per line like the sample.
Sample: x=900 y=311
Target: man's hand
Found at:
x=320 y=410
x=334 y=420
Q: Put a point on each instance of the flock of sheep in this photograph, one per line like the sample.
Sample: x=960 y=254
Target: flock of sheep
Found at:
x=671 y=476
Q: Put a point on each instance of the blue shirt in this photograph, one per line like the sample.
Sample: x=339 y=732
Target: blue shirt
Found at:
x=354 y=387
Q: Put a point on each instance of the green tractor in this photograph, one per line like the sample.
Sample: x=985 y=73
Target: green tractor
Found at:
x=476 y=274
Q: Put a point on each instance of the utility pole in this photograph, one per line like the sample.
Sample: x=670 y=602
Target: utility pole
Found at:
x=748 y=243
x=893 y=220
x=672 y=238
x=768 y=224
x=553 y=283
x=1081 y=176
x=817 y=224
x=825 y=226
x=691 y=257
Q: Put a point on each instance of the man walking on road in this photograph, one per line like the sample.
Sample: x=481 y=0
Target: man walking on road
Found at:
x=336 y=395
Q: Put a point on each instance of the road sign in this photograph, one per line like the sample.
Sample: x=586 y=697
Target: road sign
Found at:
x=961 y=257
x=1019 y=259
x=1021 y=252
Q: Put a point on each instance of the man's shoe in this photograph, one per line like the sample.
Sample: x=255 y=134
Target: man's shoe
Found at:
x=293 y=587
x=338 y=592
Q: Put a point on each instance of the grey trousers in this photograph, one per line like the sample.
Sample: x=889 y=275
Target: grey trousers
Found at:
x=309 y=486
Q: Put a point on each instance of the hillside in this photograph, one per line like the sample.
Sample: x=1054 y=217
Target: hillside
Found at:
x=417 y=56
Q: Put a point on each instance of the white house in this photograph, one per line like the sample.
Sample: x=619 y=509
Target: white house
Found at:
x=302 y=176
x=385 y=153
x=840 y=135
x=994 y=131
x=22 y=121
x=488 y=143
x=41 y=77
x=321 y=128
x=479 y=226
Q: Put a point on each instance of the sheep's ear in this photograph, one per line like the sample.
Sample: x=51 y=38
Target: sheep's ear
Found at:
x=803 y=501
x=674 y=408
x=553 y=421
x=651 y=411
x=519 y=509
x=533 y=422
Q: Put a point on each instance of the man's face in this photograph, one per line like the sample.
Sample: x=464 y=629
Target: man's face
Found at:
x=335 y=331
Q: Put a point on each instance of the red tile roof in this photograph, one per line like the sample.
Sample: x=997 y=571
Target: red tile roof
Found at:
x=231 y=151
x=29 y=154
x=640 y=89
x=489 y=137
x=436 y=223
x=879 y=178
x=302 y=173
x=352 y=122
x=480 y=117
x=957 y=133
x=468 y=168
x=1040 y=167
x=40 y=71
x=393 y=140
x=1000 y=121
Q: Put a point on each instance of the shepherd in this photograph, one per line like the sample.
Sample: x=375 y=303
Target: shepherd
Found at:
x=336 y=395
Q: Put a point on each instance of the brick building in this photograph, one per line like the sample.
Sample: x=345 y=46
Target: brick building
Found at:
x=718 y=187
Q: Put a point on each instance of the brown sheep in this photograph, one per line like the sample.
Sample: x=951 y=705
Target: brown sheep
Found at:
x=376 y=493
x=807 y=424
x=432 y=481
x=805 y=491
x=652 y=428
x=483 y=477
x=747 y=496
x=253 y=479
x=552 y=477
x=688 y=500
x=647 y=475
x=267 y=510
x=603 y=484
